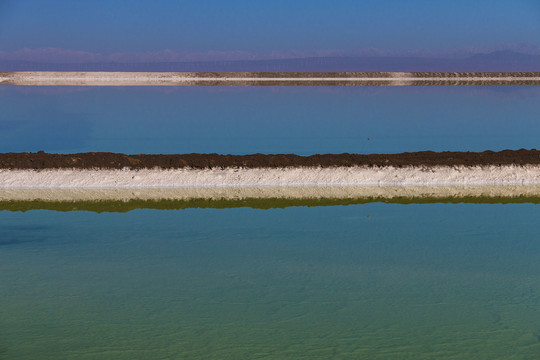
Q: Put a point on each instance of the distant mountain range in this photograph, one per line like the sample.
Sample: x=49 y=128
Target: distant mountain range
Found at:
x=494 y=61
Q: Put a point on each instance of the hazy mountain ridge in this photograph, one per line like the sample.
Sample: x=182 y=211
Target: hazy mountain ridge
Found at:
x=494 y=61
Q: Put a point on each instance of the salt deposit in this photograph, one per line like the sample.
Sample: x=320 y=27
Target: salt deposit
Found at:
x=301 y=176
x=270 y=192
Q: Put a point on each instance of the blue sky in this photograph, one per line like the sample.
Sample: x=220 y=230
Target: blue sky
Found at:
x=263 y=27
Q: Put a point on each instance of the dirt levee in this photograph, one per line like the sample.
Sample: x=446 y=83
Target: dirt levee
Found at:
x=106 y=160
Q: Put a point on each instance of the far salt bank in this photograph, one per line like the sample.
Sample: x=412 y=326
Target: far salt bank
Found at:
x=58 y=78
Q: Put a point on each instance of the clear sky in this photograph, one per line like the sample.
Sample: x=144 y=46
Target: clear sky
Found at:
x=110 y=26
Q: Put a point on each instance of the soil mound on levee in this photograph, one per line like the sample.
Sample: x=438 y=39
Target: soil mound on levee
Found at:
x=106 y=160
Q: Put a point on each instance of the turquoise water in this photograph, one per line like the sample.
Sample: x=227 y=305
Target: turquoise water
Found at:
x=373 y=281
x=367 y=281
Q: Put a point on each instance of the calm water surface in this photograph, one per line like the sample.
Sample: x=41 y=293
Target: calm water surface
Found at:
x=239 y=120
x=362 y=281
x=370 y=281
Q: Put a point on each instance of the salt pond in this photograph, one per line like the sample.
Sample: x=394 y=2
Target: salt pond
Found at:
x=375 y=280
x=372 y=281
x=301 y=120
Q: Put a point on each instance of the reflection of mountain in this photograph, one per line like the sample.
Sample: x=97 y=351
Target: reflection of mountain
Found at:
x=495 y=61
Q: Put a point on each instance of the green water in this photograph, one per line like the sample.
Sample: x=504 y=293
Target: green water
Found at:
x=373 y=281
x=100 y=206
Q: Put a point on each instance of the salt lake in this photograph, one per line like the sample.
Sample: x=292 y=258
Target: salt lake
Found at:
x=353 y=280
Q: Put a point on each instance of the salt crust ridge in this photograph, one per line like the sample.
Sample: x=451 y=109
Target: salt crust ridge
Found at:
x=240 y=177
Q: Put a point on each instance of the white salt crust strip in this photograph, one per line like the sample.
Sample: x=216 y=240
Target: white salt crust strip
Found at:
x=280 y=192
x=338 y=176
x=162 y=78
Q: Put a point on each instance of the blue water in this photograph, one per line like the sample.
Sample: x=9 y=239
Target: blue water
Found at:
x=372 y=281
x=368 y=281
x=239 y=120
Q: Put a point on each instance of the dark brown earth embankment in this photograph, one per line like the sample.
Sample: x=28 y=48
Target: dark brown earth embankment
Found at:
x=105 y=160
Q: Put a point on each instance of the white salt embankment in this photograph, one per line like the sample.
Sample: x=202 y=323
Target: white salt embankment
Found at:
x=298 y=176
x=67 y=185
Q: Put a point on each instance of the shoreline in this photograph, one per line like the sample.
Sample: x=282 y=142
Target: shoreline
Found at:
x=124 y=200
x=56 y=78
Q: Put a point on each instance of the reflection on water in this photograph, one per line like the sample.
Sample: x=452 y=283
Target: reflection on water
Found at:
x=362 y=281
x=100 y=206
x=258 y=197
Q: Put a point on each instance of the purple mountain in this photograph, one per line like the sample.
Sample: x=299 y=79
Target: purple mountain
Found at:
x=495 y=61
